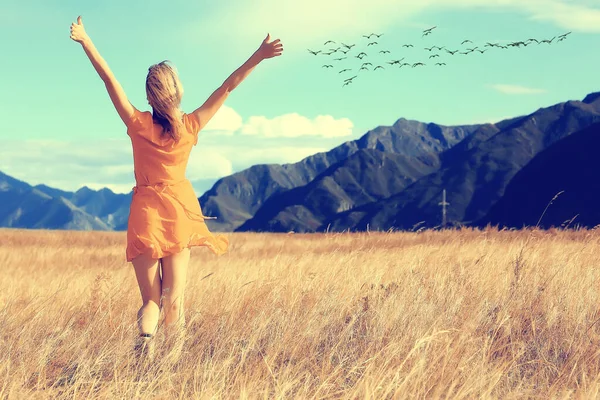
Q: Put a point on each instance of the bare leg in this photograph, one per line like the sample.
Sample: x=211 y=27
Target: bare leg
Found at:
x=174 y=268
x=174 y=275
x=147 y=274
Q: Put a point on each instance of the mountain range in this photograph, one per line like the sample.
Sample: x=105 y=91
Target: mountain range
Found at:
x=558 y=188
x=475 y=173
x=391 y=177
x=236 y=199
x=40 y=206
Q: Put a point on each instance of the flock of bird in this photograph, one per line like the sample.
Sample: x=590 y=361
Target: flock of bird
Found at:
x=439 y=50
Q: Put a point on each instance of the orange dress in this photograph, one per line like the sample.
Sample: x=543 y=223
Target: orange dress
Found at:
x=165 y=215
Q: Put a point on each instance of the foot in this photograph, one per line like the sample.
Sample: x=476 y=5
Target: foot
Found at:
x=144 y=348
x=174 y=342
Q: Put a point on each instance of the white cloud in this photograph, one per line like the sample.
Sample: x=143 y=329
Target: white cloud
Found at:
x=295 y=125
x=270 y=155
x=225 y=121
x=206 y=163
x=70 y=165
x=515 y=89
x=116 y=170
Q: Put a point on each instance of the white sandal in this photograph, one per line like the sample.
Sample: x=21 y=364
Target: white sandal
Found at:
x=144 y=347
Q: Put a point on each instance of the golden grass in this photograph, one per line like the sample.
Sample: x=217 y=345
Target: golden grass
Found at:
x=453 y=314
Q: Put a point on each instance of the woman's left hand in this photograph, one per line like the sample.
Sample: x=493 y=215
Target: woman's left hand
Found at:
x=78 y=31
x=270 y=49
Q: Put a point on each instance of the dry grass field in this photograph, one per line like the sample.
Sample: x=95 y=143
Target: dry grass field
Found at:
x=455 y=314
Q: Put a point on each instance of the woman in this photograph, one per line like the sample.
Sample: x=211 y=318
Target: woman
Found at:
x=165 y=219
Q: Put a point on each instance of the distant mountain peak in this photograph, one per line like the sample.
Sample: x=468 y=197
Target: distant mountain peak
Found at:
x=105 y=190
x=84 y=189
x=404 y=122
x=7 y=182
x=592 y=97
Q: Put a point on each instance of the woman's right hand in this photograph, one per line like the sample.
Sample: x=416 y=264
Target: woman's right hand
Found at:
x=269 y=50
x=78 y=31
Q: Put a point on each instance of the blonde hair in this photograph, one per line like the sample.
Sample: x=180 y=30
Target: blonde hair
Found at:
x=164 y=92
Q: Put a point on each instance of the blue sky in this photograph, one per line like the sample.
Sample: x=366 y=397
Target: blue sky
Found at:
x=60 y=128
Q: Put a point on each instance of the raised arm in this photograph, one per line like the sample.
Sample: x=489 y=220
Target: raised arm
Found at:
x=207 y=110
x=114 y=88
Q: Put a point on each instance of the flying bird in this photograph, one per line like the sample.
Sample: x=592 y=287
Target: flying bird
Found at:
x=339 y=59
x=349 y=79
x=362 y=53
x=452 y=52
x=392 y=62
x=327 y=66
x=314 y=52
x=466 y=41
x=548 y=41
x=533 y=40
x=428 y=31
x=429 y=48
x=434 y=55
x=347 y=83
x=440 y=63
x=417 y=64
x=346 y=69
x=349 y=46
x=482 y=51
x=378 y=35
x=565 y=34
x=384 y=51
x=372 y=43
x=379 y=66
x=367 y=63
x=365 y=68
x=329 y=41
x=408 y=45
